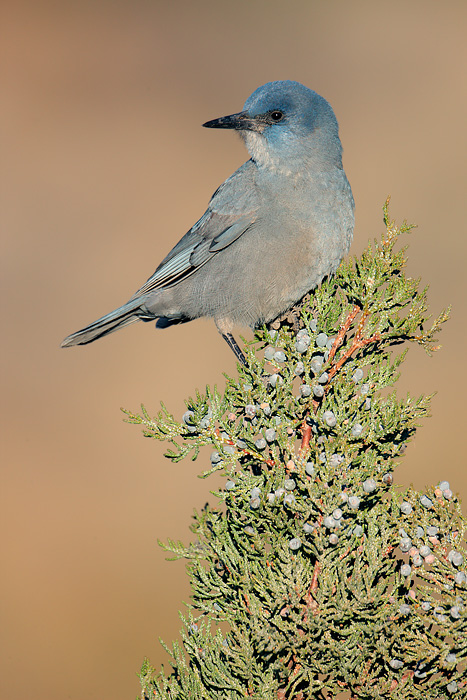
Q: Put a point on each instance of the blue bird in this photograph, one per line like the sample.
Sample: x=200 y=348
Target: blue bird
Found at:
x=272 y=231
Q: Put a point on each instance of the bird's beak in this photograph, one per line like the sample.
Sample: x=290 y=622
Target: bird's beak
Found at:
x=240 y=121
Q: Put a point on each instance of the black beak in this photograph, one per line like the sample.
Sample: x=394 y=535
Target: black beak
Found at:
x=239 y=121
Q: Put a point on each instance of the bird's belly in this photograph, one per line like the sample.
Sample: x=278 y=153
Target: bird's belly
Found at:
x=260 y=277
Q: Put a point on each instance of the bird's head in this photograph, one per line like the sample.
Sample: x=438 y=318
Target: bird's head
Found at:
x=285 y=125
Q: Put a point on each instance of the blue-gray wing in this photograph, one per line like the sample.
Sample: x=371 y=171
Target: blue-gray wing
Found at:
x=233 y=209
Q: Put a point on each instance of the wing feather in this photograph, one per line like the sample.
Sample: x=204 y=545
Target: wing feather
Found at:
x=232 y=211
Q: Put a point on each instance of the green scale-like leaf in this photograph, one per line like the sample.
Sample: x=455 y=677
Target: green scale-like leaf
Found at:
x=313 y=575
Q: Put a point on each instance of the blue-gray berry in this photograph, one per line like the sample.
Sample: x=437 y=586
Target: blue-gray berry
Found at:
x=290 y=484
x=289 y=499
x=241 y=444
x=270 y=434
x=451 y=659
x=396 y=664
x=424 y=551
x=301 y=346
x=426 y=502
x=357 y=376
x=323 y=378
x=271 y=497
x=337 y=514
x=357 y=430
x=215 y=458
x=330 y=343
x=405 y=544
x=316 y=364
x=295 y=543
x=406 y=508
x=255 y=491
x=452 y=687
x=443 y=485
x=275 y=379
x=303 y=337
x=426 y=606
x=419 y=532
x=310 y=468
x=404 y=609
x=432 y=531
x=455 y=612
x=305 y=391
x=354 y=502
x=260 y=444
x=269 y=353
x=249 y=530
x=333 y=538
x=321 y=340
x=255 y=503
x=188 y=417
x=417 y=560
x=335 y=460
x=358 y=531
x=329 y=522
x=406 y=570
x=318 y=391
x=313 y=325
x=455 y=558
x=229 y=485
x=370 y=485
x=329 y=418
x=299 y=369
x=308 y=528
x=279 y=356
x=250 y=410
x=460 y=578
x=364 y=389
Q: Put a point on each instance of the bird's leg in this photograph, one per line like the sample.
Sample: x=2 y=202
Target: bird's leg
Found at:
x=232 y=343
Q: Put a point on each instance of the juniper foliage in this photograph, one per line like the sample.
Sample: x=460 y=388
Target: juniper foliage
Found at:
x=313 y=575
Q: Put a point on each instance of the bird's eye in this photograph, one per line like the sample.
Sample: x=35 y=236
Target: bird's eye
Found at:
x=277 y=116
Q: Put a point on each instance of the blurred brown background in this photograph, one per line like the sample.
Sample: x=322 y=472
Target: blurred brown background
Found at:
x=104 y=166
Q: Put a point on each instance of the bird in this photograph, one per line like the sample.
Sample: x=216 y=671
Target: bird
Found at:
x=271 y=233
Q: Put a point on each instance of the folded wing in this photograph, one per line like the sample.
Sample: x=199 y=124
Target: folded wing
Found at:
x=231 y=212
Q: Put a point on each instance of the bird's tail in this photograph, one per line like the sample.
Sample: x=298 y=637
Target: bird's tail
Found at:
x=121 y=317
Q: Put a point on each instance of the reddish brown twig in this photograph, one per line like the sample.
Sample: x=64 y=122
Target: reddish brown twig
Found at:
x=306 y=436
x=357 y=344
x=343 y=330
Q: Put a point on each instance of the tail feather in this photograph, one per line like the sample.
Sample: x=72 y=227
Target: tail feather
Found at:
x=121 y=317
